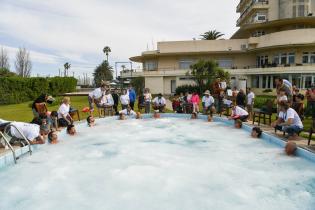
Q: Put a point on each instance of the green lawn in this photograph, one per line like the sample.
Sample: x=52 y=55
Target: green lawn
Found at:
x=23 y=112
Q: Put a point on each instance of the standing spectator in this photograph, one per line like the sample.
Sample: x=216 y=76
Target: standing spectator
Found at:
x=250 y=102
x=132 y=97
x=96 y=96
x=147 y=100
x=140 y=102
x=216 y=89
x=176 y=103
x=195 y=99
x=116 y=101
x=283 y=84
x=64 y=118
x=124 y=100
x=208 y=103
x=310 y=96
x=40 y=103
x=298 y=105
x=295 y=92
x=159 y=103
x=240 y=99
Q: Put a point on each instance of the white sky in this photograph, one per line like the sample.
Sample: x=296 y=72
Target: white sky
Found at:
x=75 y=31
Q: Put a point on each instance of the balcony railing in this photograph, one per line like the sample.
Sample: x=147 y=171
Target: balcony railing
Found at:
x=249 y=8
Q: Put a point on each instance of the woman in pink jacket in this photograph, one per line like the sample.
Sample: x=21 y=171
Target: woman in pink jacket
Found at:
x=195 y=100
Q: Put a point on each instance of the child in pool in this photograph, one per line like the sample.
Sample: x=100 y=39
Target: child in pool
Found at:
x=71 y=130
x=156 y=114
x=256 y=132
x=238 y=124
x=91 y=121
x=209 y=118
x=138 y=115
x=290 y=148
x=194 y=116
x=122 y=116
x=53 y=137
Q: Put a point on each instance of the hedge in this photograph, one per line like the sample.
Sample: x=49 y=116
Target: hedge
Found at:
x=14 y=90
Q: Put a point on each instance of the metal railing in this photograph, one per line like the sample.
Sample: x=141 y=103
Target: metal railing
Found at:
x=248 y=9
x=9 y=145
x=6 y=129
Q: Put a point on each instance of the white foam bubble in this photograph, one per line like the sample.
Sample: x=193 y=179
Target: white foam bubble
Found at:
x=158 y=164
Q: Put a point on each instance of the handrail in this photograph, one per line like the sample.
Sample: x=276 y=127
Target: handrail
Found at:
x=11 y=148
x=27 y=141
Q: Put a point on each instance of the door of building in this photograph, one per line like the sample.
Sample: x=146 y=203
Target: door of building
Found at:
x=173 y=86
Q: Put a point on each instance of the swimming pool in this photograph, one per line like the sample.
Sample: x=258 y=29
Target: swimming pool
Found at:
x=162 y=164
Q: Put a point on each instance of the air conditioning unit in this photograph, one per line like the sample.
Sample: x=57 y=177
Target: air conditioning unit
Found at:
x=244 y=47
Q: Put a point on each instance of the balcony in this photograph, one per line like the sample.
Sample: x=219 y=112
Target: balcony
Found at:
x=255 y=5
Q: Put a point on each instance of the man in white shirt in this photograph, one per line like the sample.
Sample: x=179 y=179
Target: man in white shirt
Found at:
x=208 y=103
x=95 y=97
x=250 y=102
x=124 y=100
x=30 y=131
x=159 y=103
x=288 y=121
x=238 y=113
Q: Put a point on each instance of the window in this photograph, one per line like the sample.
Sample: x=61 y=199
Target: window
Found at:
x=305 y=58
x=262 y=60
x=151 y=65
x=312 y=57
x=291 y=58
x=185 y=64
x=283 y=59
x=276 y=59
x=227 y=64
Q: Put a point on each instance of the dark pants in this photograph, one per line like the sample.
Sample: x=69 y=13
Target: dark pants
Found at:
x=123 y=106
x=311 y=109
x=62 y=122
x=242 y=118
x=132 y=104
x=290 y=130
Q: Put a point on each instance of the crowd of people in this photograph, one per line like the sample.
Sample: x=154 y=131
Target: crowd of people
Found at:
x=289 y=101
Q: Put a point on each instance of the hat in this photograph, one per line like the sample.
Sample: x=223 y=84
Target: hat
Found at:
x=207 y=92
x=50 y=99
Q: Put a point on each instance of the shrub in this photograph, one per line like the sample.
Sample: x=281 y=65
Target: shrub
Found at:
x=267 y=91
x=188 y=88
x=15 y=90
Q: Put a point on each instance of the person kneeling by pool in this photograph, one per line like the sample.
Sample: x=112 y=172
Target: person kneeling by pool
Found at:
x=53 y=137
x=238 y=113
x=31 y=131
x=90 y=121
x=256 y=132
x=71 y=130
x=238 y=124
x=288 y=121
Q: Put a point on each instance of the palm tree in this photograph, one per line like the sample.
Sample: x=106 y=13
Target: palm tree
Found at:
x=107 y=50
x=123 y=67
x=211 y=35
x=67 y=66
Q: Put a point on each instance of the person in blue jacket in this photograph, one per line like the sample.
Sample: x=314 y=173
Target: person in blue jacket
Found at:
x=132 y=96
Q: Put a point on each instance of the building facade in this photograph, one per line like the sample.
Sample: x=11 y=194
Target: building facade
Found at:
x=276 y=38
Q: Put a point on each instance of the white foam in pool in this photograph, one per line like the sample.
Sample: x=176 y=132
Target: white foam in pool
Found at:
x=173 y=164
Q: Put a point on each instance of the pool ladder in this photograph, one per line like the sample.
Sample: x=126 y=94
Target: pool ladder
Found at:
x=5 y=136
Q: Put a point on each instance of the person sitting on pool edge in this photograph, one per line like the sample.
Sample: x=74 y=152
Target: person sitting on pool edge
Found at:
x=53 y=137
x=90 y=121
x=238 y=113
x=256 y=132
x=194 y=116
x=290 y=148
x=238 y=124
x=71 y=130
x=156 y=114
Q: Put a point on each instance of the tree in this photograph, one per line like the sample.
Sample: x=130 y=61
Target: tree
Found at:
x=138 y=84
x=205 y=71
x=4 y=59
x=67 y=66
x=23 y=64
x=103 y=72
x=107 y=50
x=123 y=67
x=6 y=73
x=211 y=35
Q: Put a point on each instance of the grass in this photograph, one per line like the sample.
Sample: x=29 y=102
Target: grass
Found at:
x=23 y=112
